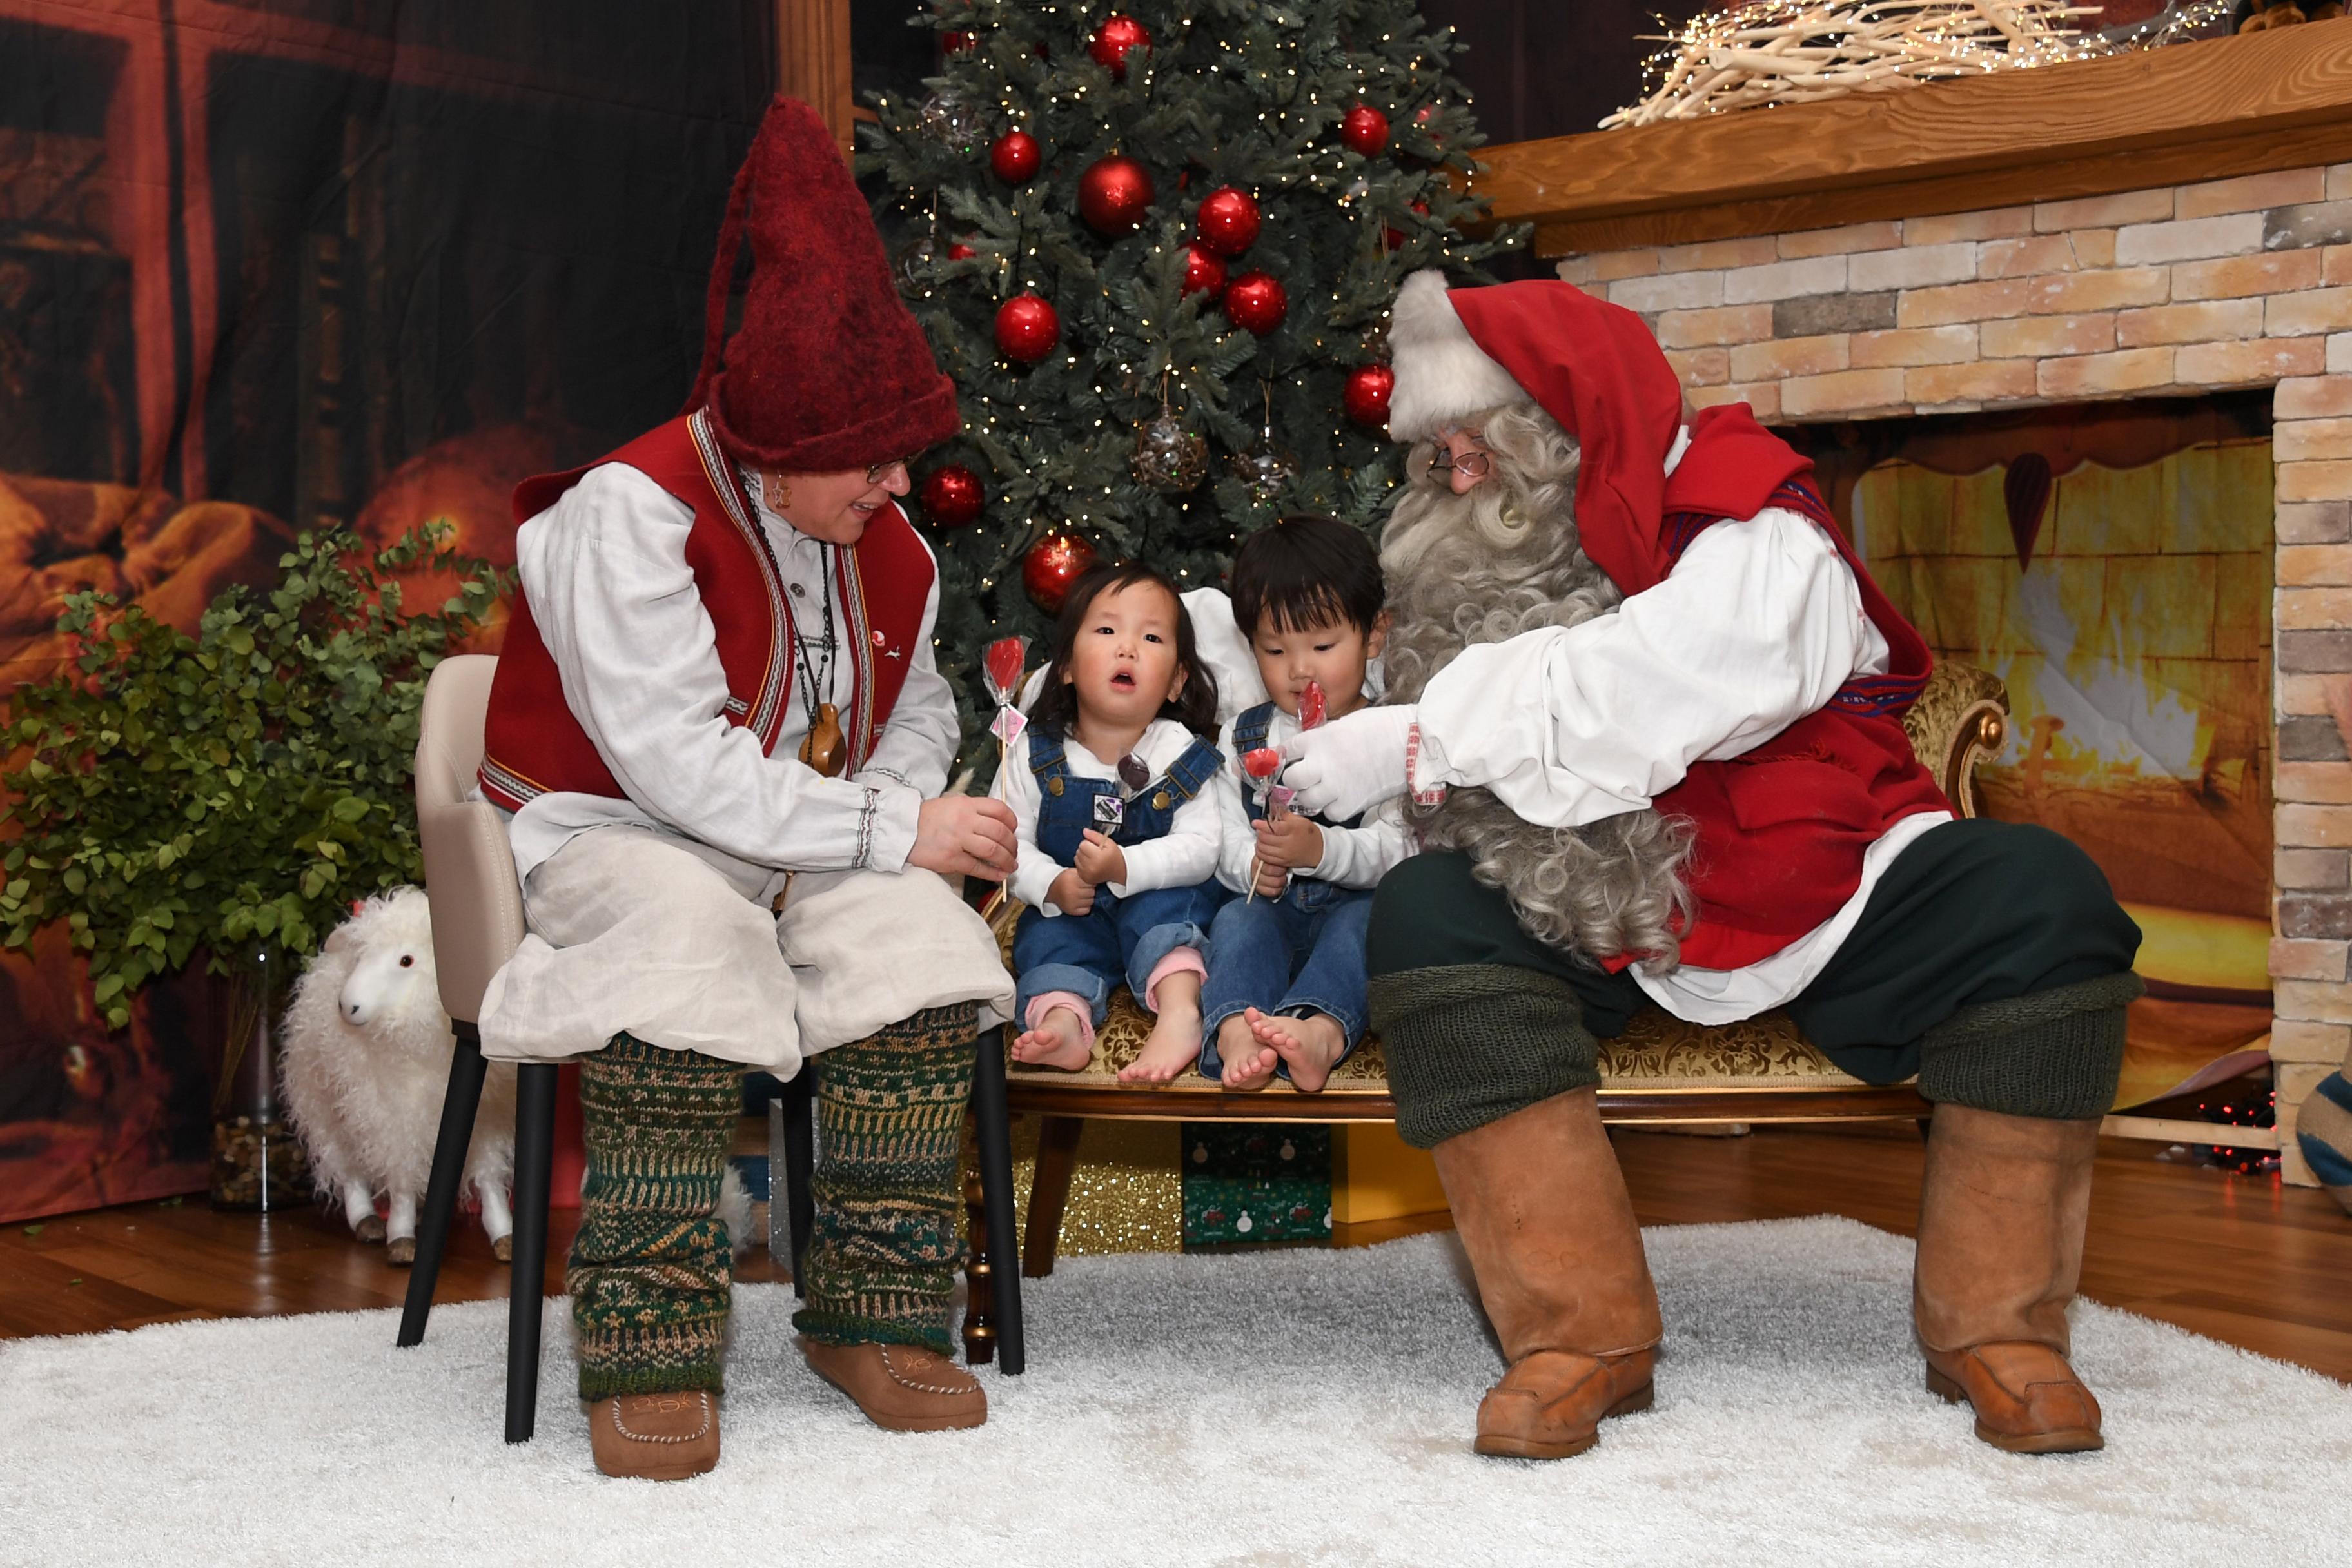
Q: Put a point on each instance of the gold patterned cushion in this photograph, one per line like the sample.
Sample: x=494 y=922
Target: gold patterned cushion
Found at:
x=1656 y=1048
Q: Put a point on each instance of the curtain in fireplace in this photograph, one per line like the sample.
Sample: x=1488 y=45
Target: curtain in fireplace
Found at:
x=2113 y=565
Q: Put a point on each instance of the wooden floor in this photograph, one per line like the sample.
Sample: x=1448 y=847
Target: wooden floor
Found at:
x=2243 y=1259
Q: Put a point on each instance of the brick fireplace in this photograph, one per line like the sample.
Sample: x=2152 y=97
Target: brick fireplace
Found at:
x=1890 y=278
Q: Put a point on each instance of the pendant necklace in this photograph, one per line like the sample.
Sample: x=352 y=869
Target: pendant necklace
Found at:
x=823 y=749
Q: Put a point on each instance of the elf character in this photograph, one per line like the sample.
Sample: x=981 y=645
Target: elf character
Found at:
x=1647 y=704
x=722 y=739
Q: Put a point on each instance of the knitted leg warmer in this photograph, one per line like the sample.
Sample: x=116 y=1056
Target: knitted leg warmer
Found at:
x=881 y=1262
x=651 y=1269
x=1468 y=1044
x=2055 y=1054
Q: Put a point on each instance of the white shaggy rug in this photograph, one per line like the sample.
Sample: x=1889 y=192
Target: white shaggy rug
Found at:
x=1296 y=1408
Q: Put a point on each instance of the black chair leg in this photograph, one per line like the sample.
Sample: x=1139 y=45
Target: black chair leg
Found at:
x=799 y=1112
x=993 y=1124
x=534 y=1153
x=458 y=1107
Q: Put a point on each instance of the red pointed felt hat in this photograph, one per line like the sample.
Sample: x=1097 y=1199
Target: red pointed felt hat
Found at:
x=1596 y=370
x=828 y=368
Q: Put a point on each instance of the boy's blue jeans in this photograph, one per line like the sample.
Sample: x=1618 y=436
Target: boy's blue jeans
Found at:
x=1279 y=955
x=1121 y=938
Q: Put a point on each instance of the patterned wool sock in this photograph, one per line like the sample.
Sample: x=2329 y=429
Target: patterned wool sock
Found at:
x=2323 y=1131
x=881 y=1262
x=651 y=1269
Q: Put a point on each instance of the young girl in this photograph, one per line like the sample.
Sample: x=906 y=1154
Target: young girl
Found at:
x=1118 y=832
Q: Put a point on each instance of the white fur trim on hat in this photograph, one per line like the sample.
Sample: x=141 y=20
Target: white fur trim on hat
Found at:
x=1442 y=376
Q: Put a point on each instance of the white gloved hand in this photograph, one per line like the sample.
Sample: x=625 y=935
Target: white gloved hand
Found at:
x=1350 y=764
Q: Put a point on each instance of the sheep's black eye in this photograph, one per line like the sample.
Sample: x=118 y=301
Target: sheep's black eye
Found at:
x=406 y=959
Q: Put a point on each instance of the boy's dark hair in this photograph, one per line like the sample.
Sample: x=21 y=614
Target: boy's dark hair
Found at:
x=1057 y=707
x=1304 y=570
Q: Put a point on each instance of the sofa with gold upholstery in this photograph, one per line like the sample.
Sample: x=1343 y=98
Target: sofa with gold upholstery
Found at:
x=1660 y=1070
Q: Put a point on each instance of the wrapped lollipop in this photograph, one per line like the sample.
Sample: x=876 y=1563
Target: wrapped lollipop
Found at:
x=1261 y=766
x=1001 y=667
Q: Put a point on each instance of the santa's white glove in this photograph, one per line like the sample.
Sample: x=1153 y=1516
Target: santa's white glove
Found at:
x=1350 y=764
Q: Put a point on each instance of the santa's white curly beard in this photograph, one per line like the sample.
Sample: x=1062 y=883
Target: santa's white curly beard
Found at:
x=1484 y=566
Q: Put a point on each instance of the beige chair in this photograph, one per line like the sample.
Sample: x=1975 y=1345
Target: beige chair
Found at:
x=477 y=923
x=469 y=880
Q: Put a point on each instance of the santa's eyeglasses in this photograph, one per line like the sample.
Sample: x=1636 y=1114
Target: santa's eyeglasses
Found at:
x=1469 y=465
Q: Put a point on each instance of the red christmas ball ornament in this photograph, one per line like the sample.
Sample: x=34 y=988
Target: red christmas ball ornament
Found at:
x=1015 y=156
x=1396 y=237
x=1027 y=328
x=1228 y=220
x=1113 y=195
x=1110 y=43
x=1053 y=567
x=958 y=251
x=952 y=496
x=1203 y=273
x=1365 y=130
x=1256 y=302
x=958 y=41
x=1365 y=396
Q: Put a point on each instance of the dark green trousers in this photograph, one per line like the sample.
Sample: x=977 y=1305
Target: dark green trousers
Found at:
x=1991 y=961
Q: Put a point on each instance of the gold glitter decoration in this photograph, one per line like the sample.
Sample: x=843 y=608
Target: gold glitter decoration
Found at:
x=1126 y=1194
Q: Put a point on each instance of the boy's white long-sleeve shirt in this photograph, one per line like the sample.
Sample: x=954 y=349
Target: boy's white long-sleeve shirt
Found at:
x=1352 y=857
x=1184 y=855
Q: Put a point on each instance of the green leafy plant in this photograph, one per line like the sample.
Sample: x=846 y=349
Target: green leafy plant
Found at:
x=235 y=790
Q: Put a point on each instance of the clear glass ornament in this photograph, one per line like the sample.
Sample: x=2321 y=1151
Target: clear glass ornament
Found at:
x=1266 y=467
x=915 y=265
x=1167 y=456
x=952 y=121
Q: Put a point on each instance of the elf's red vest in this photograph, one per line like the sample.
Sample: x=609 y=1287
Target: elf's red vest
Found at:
x=533 y=745
x=1782 y=827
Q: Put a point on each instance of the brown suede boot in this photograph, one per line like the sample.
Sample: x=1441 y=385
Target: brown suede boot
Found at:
x=655 y=1436
x=1542 y=1211
x=901 y=1388
x=2001 y=1214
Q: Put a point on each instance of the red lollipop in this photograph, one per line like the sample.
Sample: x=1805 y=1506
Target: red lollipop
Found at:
x=1262 y=764
x=1003 y=663
x=1310 y=705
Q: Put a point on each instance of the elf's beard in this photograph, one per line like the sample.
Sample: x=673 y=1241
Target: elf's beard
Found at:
x=1484 y=566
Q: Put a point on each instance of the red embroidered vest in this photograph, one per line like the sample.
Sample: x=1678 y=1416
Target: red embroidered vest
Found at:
x=534 y=746
x=1782 y=828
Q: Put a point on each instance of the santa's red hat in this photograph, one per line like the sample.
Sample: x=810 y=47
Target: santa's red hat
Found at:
x=828 y=370
x=1596 y=370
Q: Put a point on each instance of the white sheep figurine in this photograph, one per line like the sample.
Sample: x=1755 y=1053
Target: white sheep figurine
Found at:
x=366 y=1065
x=367 y=1052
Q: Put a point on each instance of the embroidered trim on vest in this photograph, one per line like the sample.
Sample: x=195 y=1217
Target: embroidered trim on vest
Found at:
x=1872 y=694
x=852 y=585
x=775 y=682
x=497 y=779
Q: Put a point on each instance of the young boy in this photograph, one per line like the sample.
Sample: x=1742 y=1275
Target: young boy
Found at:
x=1286 y=985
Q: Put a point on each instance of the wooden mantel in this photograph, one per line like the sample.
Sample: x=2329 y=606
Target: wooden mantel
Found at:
x=2243 y=105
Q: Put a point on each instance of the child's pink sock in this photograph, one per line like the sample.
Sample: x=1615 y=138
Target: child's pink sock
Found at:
x=1045 y=1002
x=1181 y=961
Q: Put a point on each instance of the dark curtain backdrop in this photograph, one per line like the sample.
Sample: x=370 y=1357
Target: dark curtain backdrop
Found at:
x=276 y=265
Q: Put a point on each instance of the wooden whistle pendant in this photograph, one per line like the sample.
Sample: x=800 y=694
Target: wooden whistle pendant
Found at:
x=825 y=750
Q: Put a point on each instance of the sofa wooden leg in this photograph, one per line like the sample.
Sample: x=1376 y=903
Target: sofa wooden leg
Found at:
x=1049 y=1192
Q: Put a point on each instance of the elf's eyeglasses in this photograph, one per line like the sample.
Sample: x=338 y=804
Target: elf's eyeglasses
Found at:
x=874 y=475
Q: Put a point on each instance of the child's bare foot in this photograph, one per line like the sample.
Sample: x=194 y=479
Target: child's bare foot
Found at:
x=1249 y=1061
x=1312 y=1045
x=1175 y=1042
x=1059 y=1040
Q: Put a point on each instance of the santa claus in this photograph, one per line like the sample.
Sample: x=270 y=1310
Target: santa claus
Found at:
x=1647 y=704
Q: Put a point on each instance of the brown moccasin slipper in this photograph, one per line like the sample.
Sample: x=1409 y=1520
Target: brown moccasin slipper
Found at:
x=655 y=1436
x=901 y=1388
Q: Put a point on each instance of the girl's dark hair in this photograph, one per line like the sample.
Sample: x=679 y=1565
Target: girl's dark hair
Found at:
x=1057 y=707
x=1304 y=570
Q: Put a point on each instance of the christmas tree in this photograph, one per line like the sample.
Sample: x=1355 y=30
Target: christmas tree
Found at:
x=1155 y=248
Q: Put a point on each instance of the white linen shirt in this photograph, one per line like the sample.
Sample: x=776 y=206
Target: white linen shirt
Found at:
x=1758 y=625
x=1352 y=857
x=1184 y=855
x=605 y=575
